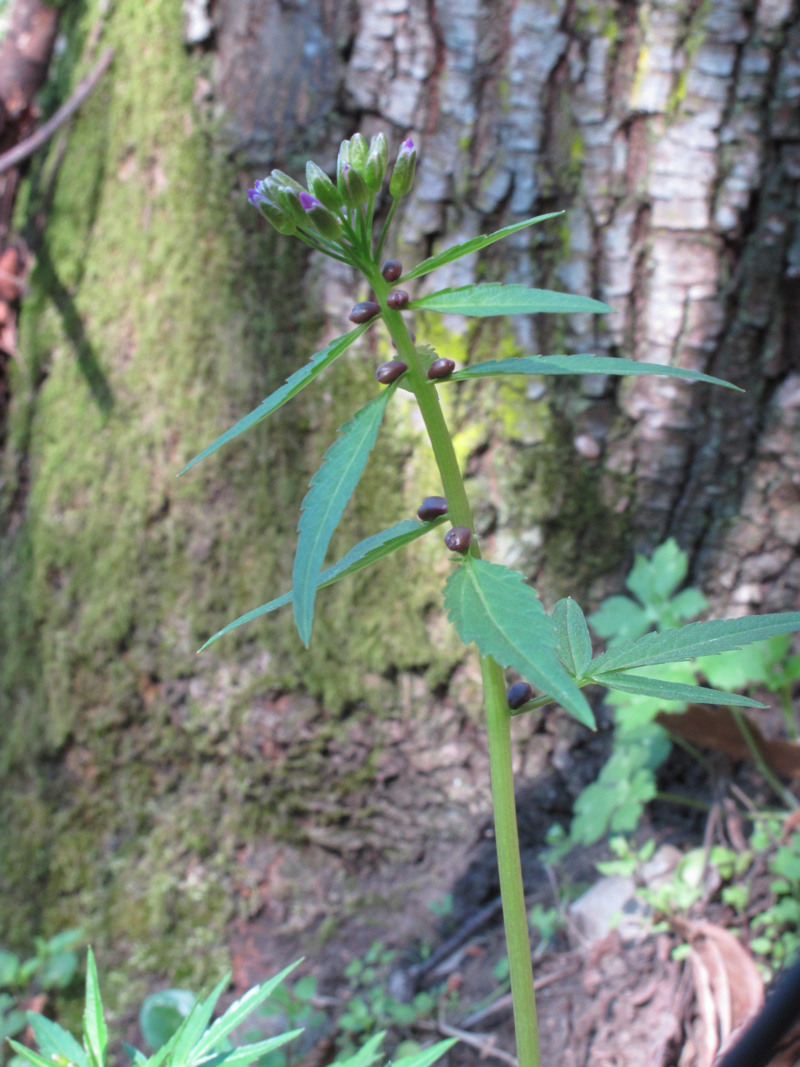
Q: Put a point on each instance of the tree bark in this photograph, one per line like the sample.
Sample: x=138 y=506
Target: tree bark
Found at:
x=161 y=311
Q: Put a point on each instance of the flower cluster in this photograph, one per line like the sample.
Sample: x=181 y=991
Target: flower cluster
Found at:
x=336 y=217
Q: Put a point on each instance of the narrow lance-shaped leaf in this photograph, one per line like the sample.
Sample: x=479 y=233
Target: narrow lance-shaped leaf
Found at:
x=694 y=639
x=291 y=387
x=662 y=689
x=54 y=1041
x=244 y=1054
x=494 y=607
x=366 y=552
x=475 y=244
x=238 y=1012
x=196 y=1023
x=581 y=363
x=95 y=1031
x=574 y=643
x=330 y=490
x=495 y=299
x=28 y=1054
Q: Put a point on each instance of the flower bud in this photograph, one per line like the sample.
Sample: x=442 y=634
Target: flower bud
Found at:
x=519 y=693
x=403 y=174
x=458 y=539
x=376 y=162
x=289 y=199
x=364 y=311
x=324 y=222
x=392 y=269
x=352 y=187
x=358 y=152
x=390 y=372
x=272 y=212
x=397 y=300
x=432 y=507
x=320 y=186
x=440 y=368
x=280 y=178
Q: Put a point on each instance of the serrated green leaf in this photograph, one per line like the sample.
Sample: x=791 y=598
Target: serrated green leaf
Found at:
x=494 y=607
x=53 y=1040
x=425 y=1057
x=493 y=298
x=95 y=1031
x=694 y=639
x=28 y=1054
x=574 y=646
x=291 y=387
x=244 y=1054
x=366 y=552
x=677 y=691
x=238 y=1012
x=327 y=497
x=581 y=363
x=475 y=244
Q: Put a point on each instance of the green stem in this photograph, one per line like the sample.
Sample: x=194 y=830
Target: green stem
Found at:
x=498 y=716
x=744 y=729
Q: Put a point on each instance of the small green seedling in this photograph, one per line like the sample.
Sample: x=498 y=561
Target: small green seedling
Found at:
x=192 y=1039
x=489 y=604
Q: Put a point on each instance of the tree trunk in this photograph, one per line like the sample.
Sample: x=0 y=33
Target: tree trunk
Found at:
x=138 y=775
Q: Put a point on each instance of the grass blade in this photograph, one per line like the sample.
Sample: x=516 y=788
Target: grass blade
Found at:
x=694 y=639
x=493 y=606
x=581 y=363
x=495 y=299
x=291 y=387
x=475 y=244
x=366 y=552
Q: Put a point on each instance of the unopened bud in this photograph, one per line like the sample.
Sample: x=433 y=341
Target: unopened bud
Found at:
x=403 y=174
x=390 y=372
x=289 y=199
x=376 y=162
x=440 y=368
x=352 y=187
x=279 y=177
x=397 y=299
x=519 y=693
x=272 y=212
x=358 y=151
x=458 y=539
x=392 y=269
x=320 y=186
x=432 y=507
x=364 y=311
x=323 y=221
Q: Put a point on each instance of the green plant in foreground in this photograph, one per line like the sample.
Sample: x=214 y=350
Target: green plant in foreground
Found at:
x=51 y=968
x=489 y=604
x=614 y=803
x=193 y=1041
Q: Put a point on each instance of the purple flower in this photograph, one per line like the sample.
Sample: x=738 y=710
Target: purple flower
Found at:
x=309 y=202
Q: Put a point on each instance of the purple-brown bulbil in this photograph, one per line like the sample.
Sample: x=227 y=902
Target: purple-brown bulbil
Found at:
x=397 y=299
x=440 y=368
x=390 y=372
x=431 y=508
x=364 y=311
x=519 y=693
x=392 y=269
x=458 y=539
